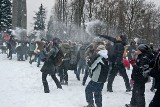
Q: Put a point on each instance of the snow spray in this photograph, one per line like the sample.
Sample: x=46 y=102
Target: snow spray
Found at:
x=90 y=26
x=19 y=33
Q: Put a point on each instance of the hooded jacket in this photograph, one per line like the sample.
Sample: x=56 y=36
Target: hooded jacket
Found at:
x=142 y=64
x=99 y=67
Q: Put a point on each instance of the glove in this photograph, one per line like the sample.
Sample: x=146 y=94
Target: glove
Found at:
x=132 y=62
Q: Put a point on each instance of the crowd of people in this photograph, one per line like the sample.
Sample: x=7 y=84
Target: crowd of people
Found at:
x=100 y=60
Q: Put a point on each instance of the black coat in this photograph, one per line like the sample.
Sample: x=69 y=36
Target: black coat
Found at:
x=49 y=66
x=142 y=64
x=117 y=51
x=155 y=72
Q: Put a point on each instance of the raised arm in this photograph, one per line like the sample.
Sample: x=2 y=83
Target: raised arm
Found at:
x=108 y=37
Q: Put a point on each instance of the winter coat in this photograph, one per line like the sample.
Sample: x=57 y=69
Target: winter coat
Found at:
x=99 y=67
x=118 y=50
x=66 y=49
x=49 y=66
x=74 y=52
x=155 y=72
x=81 y=53
x=19 y=49
x=40 y=45
x=142 y=64
x=24 y=48
x=32 y=46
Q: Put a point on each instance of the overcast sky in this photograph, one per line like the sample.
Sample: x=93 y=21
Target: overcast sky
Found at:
x=32 y=7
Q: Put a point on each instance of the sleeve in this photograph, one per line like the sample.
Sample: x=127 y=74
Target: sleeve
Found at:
x=108 y=37
x=144 y=65
x=154 y=73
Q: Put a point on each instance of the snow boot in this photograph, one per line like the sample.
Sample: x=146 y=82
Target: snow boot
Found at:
x=83 y=83
x=66 y=83
x=78 y=78
x=58 y=84
x=109 y=90
x=90 y=105
x=128 y=90
x=129 y=105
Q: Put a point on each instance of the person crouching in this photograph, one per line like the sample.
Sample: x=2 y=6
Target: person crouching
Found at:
x=98 y=73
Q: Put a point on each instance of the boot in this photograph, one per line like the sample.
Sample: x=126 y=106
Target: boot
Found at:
x=46 y=87
x=78 y=78
x=90 y=105
x=30 y=61
x=128 y=90
x=129 y=105
x=58 y=84
x=83 y=83
x=109 y=90
x=66 y=83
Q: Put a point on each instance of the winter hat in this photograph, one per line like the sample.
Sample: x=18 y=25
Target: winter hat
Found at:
x=143 y=48
x=101 y=47
x=123 y=37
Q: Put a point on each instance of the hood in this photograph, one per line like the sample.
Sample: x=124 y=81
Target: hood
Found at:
x=103 y=53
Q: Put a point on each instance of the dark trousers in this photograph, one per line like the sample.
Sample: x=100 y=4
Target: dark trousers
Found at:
x=81 y=66
x=45 y=83
x=138 y=96
x=113 y=73
x=63 y=71
x=156 y=99
x=96 y=89
x=86 y=73
x=10 y=53
x=20 y=56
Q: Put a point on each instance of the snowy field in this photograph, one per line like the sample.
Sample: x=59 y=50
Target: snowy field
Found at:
x=21 y=86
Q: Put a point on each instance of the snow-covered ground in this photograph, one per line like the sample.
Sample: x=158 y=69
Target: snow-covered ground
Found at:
x=21 y=86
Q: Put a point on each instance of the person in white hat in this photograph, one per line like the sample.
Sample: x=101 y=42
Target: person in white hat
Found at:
x=98 y=72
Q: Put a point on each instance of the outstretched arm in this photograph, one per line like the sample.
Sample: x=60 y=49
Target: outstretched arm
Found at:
x=108 y=37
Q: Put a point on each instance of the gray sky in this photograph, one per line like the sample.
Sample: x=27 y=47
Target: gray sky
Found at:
x=32 y=5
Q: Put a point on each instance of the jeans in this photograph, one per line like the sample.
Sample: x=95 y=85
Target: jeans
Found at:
x=63 y=71
x=96 y=89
